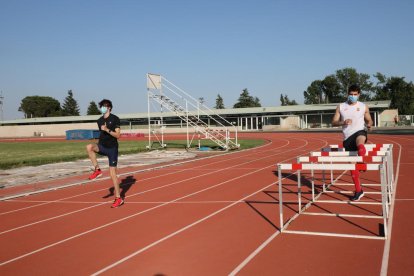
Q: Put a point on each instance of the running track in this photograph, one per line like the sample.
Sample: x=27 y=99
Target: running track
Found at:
x=212 y=216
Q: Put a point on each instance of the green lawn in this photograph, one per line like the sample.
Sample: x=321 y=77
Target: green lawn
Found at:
x=14 y=155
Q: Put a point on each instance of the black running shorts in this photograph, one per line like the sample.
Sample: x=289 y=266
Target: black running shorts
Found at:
x=350 y=143
x=112 y=154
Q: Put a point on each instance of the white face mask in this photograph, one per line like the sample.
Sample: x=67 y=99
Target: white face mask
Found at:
x=104 y=109
x=353 y=98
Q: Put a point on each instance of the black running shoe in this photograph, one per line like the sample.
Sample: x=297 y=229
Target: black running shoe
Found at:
x=357 y=196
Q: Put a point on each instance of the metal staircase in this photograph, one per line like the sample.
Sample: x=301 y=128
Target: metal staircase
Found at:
x=178 y=102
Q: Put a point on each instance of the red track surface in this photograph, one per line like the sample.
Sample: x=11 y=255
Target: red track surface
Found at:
x=212 y=216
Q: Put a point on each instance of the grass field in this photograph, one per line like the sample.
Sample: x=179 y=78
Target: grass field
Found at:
x=14 y=155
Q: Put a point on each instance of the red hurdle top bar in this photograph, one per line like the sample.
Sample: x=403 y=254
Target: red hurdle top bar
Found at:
x=316 y=159
x=342 y=149
x=318 y=166
x=366 y=145
x=346 y=153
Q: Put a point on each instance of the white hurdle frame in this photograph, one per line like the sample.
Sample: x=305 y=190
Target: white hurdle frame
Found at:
x=372 y=150
x=334 y=167
x=355 y=159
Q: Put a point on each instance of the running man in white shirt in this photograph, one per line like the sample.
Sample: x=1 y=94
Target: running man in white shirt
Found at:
x=353 y=116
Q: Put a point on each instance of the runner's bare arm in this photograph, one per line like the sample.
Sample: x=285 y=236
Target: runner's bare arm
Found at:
x=367 y=118
x=336 y=120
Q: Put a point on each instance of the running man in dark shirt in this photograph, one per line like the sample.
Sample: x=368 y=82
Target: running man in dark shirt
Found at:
x=110 y=127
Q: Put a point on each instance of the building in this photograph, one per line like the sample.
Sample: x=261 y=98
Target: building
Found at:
x=292 y=117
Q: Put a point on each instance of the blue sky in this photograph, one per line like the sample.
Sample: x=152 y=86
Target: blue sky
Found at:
x=103 y=49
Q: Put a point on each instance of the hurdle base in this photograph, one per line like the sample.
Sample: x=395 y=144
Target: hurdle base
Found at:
x=337 y=235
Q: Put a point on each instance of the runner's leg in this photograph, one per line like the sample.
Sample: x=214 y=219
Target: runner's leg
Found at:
x=114 y=177
x=360 y=141
x=92 y=149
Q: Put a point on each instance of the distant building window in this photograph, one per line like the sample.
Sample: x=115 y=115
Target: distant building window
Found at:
x=275 y=121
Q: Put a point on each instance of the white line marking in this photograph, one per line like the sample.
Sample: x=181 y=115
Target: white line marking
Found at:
x=175 y=233
x=338 y=235
x=145 y=211
x=348 y=202
x=263 y=245
x=253 y=254
x=148 y=178
x=144 y=202
x=146 y=191
x=123 y=174
x=386 y=254
x=352 y=184
x=51 y=218
x=179 y=231
x=351 y=192
x=341 y=215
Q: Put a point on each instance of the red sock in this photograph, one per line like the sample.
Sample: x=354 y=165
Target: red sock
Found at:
x=361 y=150
x=355 y=178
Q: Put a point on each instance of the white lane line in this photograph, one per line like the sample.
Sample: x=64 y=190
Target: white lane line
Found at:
x=145 y=202
x=139 y=193
x=149 y=178
x=6 y=198
x=51 y=218
x=175 y=233
x=387 y=246
x=185 y=228
x=139 y=213
x=254 y=253
x=263 y=245
x=128 y=217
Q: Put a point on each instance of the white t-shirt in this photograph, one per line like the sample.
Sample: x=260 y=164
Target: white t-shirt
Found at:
x=354 y=112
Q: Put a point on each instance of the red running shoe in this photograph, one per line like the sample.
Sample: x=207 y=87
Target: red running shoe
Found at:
x=117 y=202
x=97 y=173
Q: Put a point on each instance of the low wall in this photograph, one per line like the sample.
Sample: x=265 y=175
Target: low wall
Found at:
x=42 y=130
x=60 y=130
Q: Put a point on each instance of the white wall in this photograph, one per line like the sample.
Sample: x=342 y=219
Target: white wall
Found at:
x=47 y=130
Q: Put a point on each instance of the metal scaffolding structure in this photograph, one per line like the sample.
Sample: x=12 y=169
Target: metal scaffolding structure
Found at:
x=163 y=96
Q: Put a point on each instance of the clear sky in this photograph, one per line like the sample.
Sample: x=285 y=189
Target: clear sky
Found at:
x=103 y=49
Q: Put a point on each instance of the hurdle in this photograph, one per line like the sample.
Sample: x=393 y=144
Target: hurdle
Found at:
x=386 y=150
x=373 y=150
x=355 y=159
x=334 y=167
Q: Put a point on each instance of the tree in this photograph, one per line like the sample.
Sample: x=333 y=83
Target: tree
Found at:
x=201 y=100
x=93 y=109
x=330 y=90
x=349 y=76
x=334 y=88
x=40 y=106
x=70 y=106
x=313 y=94
x=381 y=93
x=401 y=94
x=257 y=102
x=284 y=100
x=219 y=102
x=245 y=100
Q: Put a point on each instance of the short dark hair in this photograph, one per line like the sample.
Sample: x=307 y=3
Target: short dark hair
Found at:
x=105 y=102
x=354 y=87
